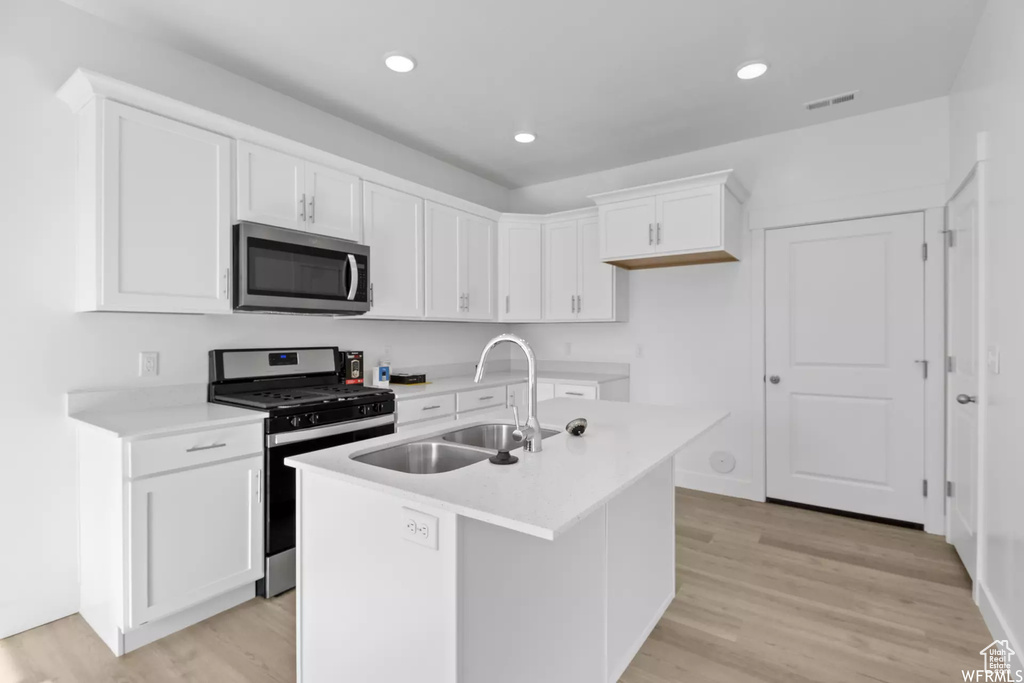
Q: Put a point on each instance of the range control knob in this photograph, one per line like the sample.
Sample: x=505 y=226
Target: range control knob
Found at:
x=314 y=418
x=362 y=410
x=376 y=407
x=296 y=421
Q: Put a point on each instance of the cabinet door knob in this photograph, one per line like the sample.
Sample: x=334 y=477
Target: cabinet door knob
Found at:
x=774 y=379
x=964 y=399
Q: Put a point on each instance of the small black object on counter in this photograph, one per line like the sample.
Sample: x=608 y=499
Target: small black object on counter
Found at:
x=504 y=458
x=577 y=427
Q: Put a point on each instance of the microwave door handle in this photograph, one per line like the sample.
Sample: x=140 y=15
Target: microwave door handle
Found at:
x=353 y=270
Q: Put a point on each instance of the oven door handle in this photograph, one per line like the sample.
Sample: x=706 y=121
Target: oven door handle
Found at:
x=353 y=274
x=330 y=430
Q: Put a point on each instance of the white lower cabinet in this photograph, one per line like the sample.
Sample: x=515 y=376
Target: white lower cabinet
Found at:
x=193 y=535
x=171 y=529
x=545 y=391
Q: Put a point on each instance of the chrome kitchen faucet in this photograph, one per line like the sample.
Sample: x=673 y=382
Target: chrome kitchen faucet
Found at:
x=530 y=432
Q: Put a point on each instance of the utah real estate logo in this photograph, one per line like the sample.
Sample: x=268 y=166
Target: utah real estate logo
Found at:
x=997 y=666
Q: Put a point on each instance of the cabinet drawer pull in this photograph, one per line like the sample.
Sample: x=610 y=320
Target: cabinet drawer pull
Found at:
x=431 y=407
x=205 y=448
x=574 y=393
x=485 y=398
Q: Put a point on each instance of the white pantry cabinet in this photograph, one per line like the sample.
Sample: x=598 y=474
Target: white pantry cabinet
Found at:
x=578 y=285
x=154 y=203
x=170 y=528
x=679 y=222
x=459 y=268
x=519 y=271
x=283 y=190
x=393 y=229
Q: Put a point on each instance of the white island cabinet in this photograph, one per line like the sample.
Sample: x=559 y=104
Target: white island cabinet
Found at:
x=551 y=570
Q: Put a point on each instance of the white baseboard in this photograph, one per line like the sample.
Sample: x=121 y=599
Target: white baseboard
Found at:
x=144 y=635
x=621 y=667
x=725 y=486
x=995 y=620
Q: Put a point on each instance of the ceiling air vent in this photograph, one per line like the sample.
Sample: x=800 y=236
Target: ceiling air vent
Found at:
x=830 y=101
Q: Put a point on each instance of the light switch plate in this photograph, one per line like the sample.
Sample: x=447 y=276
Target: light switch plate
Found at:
x=149 y=363
x=419 y=527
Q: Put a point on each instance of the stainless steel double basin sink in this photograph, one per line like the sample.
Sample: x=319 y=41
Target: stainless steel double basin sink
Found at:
x=447 y=452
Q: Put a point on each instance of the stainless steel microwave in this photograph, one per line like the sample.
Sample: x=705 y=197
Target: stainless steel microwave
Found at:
x=289 y=271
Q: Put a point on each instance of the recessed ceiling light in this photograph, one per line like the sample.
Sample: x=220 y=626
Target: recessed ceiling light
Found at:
x=525 y=137
x=396 y=61
x=751 y=70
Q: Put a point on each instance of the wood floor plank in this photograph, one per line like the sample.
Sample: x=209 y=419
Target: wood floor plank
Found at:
x=765 y=594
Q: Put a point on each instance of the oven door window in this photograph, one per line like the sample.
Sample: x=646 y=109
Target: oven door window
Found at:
x=293 y=270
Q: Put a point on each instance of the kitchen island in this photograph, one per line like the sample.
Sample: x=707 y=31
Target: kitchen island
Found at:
x=555 y=568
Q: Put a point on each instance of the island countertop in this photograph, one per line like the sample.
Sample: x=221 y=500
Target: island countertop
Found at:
x=545 y=493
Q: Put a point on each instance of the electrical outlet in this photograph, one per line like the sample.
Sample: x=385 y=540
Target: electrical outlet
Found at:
x=993 y=360
x=149 y=363
x=639 y=351
x=387 y=352
x=419 y=527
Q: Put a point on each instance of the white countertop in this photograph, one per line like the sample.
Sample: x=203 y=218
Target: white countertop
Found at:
x=450 y=385
x=154 y=421
x=545 y=493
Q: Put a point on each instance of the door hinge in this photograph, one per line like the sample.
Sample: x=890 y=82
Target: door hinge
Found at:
x=924 y=367
x=950 y=364
x=949 y=489
x=924 y=251
x=924 y=488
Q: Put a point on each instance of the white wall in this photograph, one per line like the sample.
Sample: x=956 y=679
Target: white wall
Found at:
x=989 y=96
x=49 y=350
x=694 y=324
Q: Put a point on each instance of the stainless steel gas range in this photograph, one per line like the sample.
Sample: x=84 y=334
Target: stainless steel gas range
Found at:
x=310 y=408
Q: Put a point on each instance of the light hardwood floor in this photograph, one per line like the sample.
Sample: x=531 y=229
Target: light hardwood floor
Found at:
x=765 y=593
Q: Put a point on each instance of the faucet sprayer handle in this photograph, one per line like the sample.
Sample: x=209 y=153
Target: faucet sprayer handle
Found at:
x=517 y=435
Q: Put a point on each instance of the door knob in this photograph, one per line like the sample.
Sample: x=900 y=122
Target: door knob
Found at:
x=964 y=399
x=774 y=379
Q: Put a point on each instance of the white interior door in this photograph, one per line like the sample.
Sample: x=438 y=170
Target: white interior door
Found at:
x=962 y=380
x=844 y=325
x=333 y=203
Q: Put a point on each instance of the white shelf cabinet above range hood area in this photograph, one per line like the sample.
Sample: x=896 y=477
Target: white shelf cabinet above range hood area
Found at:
x=674 y=223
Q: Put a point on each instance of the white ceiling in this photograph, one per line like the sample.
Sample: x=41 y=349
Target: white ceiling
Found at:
x=603 y=83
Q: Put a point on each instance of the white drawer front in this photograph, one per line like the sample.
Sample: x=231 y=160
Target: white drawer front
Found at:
x=588 y=391
x=417 y=409
x=481 y=398
x=150 y=456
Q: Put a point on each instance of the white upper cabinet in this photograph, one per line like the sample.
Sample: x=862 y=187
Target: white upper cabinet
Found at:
x=595 y=300
x=577 y=284
x=476 y=267
x=270 y=187
x=279 y=189
x=333 y=203
x=561 y=270
x=154 y=213
x=444 y=298
x=629 y=227
x=680 y=222
x=519 y=271
x=459 y=264
x=393 y=229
